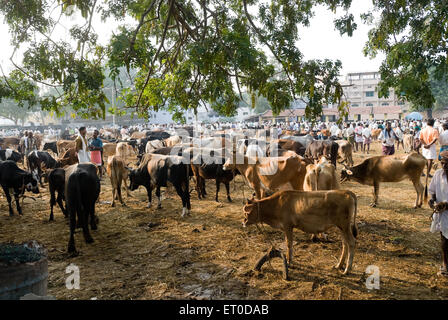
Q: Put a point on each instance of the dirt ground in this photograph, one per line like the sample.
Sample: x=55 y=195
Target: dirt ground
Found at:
x=142 y=253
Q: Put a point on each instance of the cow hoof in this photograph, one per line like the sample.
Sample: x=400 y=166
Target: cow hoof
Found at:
x=124 y=204
x=112 y=205
x=373 y=205
x=159 y=206
x=72 y=250
x=229 y=200
x=89 y=240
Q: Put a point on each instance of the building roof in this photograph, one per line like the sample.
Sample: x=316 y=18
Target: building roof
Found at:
x=334 y=111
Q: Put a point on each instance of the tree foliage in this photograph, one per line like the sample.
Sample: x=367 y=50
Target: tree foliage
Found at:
x=192 y=52
x=186 y=53
x=413 y=35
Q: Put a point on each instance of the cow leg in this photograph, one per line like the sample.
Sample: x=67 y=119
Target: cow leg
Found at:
x=227 y=184
x=198 y=187
x=16 y=197
x=52 y=202
x=420 y=190
x=71 y=242
x=187 y=197
x=61 y=204
x=120 y=198
x=114 y=195
x=343 y=256
x=85 y=226
x=182 y=195
x=217 y=189
x=204 y=191
x=350 y=240
x=8 y=198
x=159 y=201
x=376 y=189
x=93 y=220
x=289 y=243
x=149 y=193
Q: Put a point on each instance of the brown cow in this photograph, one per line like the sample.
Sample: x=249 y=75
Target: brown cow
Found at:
x=9 y=142
x=311 y=212
x=124 y=151
x=269 y=174
x=64 y=145
x=378 y=169
x=319 y=148
x=321 y=176
x=109 y=150
x=68 y=158
x=172 y=141
x=345 y=152
x=375 y=134
x=118 y=173
x=284 y=144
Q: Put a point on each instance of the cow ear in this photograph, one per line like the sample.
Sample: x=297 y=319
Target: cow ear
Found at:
x=349 y=172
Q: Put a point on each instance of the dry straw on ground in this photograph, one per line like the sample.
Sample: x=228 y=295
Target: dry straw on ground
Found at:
x=142 y=253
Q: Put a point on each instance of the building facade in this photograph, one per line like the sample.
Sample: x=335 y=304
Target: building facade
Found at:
x=361 y=92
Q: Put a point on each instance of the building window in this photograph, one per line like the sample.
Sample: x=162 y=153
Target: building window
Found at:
x=370 y=93
x=369 y=104
x=245 y=113
x=400 y=103
x=355 y=105
x=369 y=87
x=385 y=104
x=369 y=76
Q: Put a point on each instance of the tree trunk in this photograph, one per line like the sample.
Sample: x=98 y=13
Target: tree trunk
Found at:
x=429 y=113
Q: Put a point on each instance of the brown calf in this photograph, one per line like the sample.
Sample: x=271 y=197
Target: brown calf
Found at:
x=311 y=212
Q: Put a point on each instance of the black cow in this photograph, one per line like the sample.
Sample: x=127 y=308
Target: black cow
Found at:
x=157 y=135
x=82 y=189
x=318 y=148
x=158 y=170
x=56 y=183
x=212 y=171
x=35 y=159
x=9 y=154
x=51 y=146
x=12 y=177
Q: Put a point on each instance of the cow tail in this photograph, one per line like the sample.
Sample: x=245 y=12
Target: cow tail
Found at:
x=426 y=184
x=354 y=227
x=334 y=153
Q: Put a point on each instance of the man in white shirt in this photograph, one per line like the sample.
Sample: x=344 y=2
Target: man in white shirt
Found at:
x=358 y=137
x=438 y=190
x=399 y=135
x=333 y=130
x=388 y=137
x=350 y=134
x=366 y=133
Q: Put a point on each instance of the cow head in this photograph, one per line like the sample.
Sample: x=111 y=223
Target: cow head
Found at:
x=30 y=182
x=346 y=174
x=250 y=213
x=134 y=182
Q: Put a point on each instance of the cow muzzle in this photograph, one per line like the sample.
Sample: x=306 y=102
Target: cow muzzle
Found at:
x=245 y=222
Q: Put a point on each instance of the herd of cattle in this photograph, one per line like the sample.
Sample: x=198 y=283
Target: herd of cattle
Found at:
x=294 y=177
